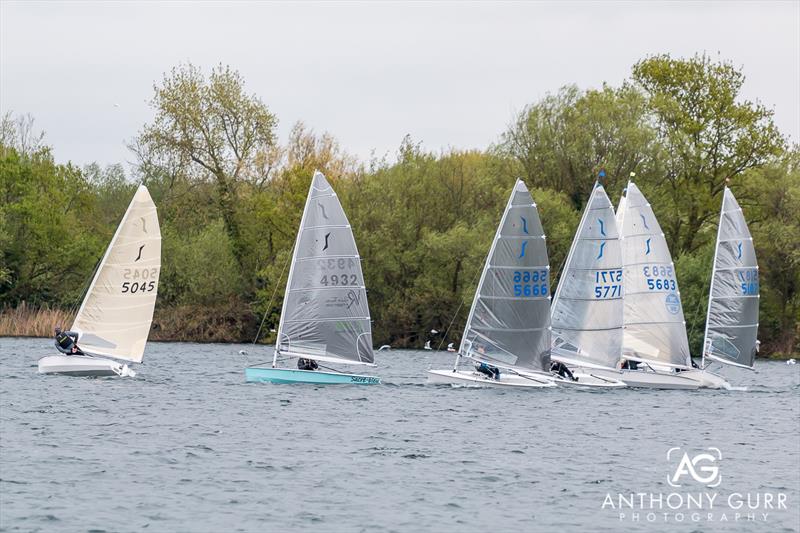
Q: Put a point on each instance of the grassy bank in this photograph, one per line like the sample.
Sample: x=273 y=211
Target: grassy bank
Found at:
x=227 y=322
x=230 y=322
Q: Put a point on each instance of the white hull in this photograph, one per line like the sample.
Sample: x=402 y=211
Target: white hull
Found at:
x=588 y=379
x=83 y=365
x=476 y=379
x=647 y=379
x=707 y=380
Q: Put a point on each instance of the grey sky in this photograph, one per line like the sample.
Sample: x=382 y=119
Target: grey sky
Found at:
x=451 y=75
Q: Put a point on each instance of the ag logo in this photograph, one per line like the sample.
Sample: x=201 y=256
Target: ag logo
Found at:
x=702 y=467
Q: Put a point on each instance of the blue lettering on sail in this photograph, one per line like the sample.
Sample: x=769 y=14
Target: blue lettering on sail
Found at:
x=648 y=247
x=644 y=221
x=740 y=251
x=524 y=225
x=602 y=245
x=522 y=251
x=602 y=228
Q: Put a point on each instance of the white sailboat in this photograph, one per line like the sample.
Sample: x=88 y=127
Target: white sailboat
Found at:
x=508 y=323
x=731 y=335
x=654 y=331
x=587 y=306
x=325 y=313
x=114 y=319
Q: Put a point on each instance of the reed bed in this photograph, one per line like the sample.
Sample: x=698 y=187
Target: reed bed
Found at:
x=30 y=321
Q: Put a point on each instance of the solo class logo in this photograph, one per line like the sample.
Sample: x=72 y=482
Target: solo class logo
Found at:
x=701 y=467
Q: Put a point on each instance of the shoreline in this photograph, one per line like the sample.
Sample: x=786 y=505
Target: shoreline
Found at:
x=771 y=357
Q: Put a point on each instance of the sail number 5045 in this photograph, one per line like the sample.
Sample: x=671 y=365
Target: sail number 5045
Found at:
x=141 y=280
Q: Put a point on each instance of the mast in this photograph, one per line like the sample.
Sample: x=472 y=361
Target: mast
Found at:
x=713 y=276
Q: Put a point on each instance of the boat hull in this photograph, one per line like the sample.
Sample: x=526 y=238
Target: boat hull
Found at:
x=476 y=379
x=83 y=366
x=707 y=380
x=645 y=379
x=589 y=380
x=288 y=376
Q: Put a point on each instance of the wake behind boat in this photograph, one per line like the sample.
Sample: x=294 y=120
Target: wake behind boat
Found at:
x=325 y=312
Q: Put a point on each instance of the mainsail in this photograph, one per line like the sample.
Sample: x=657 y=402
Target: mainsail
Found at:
x=325 y=313
x=509 y=321
x=654 y=328
x=115 y=316
x=732 y=321
x=587 y=306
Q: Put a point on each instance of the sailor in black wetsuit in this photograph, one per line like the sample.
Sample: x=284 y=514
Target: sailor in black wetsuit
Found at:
x=489 y=370
x=306 y=364
x=562 y=370
x=628 y=364
x=67 y=342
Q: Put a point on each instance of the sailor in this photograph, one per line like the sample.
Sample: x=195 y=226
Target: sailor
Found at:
x=67 y=342
x=629 y=365
x=489 y=370
x=306 y=364
x=561 y=369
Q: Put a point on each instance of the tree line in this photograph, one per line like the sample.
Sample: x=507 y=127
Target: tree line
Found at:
x=230 y=197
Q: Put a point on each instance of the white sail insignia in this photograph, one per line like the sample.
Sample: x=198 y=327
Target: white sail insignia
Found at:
x=587 y=306
x=115 y=316
x=325 y=313
x=654 y=327
x=732 y=320
x=509 y=321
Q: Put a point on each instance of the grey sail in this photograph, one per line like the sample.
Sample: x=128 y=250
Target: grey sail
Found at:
x=732 y=321
x=325 y=313
x=587 y=306
x=509 y=321
x=654 y=328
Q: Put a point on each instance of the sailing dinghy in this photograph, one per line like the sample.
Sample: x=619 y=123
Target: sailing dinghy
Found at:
x=587 y=306
x=508 y=324
x=114 y=319
x=654 y=331
x=731 y=335
x=325 y=314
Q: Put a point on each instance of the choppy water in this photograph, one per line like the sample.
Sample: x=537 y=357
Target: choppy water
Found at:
x=187 y=445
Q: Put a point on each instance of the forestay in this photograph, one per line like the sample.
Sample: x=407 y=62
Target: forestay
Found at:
x=509 y=321
x=732 y=321
x=325 y=313
x=587 y=307
x=654 y=327
x=115 y=316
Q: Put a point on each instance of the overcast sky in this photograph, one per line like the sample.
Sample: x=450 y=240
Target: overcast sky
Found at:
x=449 y=74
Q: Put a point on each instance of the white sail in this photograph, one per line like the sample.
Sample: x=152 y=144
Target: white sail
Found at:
x=325 y=312
x=115 y=316
x=587 y=306
x=509 y=321
x=654 y=327
x=732 y=320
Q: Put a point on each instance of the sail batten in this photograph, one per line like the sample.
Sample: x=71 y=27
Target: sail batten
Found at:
x=732 y=316
x=508 y=323
x=124 y=288
x=325 y=313
x=654 y=328
x=587 y=306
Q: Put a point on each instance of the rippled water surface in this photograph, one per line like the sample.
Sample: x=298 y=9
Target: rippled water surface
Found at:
x=187 y=445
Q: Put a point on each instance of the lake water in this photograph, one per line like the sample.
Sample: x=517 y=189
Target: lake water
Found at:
x=187 y=445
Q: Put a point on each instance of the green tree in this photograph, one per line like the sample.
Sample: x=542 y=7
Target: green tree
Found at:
x=210 y=128
x=707 y=134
